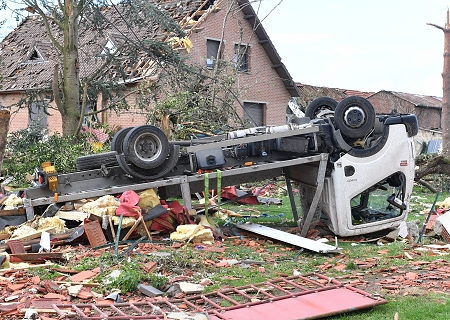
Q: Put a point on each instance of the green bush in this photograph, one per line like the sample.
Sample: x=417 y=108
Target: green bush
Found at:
x=27 y=149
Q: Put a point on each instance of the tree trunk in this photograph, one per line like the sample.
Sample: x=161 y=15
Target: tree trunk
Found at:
x=71 y=77
x=4 y=127
x=445 y=113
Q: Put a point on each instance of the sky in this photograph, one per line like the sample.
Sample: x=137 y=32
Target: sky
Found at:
x=365 y=45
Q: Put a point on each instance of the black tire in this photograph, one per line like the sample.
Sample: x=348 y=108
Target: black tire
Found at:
x=322 y=105
x=146 y=146
x=355 y=117
x=359 y=152
x=117 y=141
x=96 y=160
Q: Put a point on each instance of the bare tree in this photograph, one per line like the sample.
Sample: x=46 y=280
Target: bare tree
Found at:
x=445 y=114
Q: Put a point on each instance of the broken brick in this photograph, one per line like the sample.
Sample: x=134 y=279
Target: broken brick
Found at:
x=15 y=287
x=45 y=303
x=222 y=264
x=83 y=275
x=50 y=286
x=149 y=267
x=95 y=233
x=52 y=295
x=35 y=280
x=85 y=294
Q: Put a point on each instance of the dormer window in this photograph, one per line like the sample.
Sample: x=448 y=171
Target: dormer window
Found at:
x=110 y=48
x=35 y=56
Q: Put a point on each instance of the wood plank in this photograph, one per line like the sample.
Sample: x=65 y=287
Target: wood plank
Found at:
x=26 y=257
x=33 y=235
x=12 y=212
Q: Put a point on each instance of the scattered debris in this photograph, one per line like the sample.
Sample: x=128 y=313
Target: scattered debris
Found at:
x=149 y=291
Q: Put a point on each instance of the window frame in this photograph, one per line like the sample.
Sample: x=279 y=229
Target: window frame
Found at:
x=37 y=115
x=211 y=63
x=241 y=57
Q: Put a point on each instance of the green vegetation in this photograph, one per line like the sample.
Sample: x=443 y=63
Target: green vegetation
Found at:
x=123 y=274
x=43 y=273
x=27 y=149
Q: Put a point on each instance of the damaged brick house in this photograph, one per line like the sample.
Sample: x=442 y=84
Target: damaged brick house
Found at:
x=28 y=59
x=426 y=108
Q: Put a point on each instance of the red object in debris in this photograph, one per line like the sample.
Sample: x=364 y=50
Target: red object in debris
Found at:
x=45 y=303
x=230 y=193
x=16 y=246
x=431 y=222
x=445 y=235
x=128 y=205
x=95 y=233
x=83 y=275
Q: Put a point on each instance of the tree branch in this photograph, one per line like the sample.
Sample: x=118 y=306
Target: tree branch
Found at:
x=436 y=26
x=45 y=18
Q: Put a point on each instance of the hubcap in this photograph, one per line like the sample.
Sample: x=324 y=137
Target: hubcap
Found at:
x=148 y=147
x=354 y=117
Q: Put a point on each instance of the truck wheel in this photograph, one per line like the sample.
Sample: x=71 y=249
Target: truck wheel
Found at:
x=96 y=160
x=320 y=108
x=117 y=141
x=146 y=146
x=155 y=173
x=355 y=117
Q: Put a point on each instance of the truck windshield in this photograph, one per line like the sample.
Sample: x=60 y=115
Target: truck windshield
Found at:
x=382 y=201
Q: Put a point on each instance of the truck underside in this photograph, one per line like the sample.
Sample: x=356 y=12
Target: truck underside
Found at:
x=353 y=168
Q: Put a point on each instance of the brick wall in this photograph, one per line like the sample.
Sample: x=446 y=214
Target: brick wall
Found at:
x=429 y=118
x=261 y=84
x=19 y=117
x=385 y=103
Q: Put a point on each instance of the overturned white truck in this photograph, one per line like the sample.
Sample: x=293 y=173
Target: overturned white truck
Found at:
x=354 y=169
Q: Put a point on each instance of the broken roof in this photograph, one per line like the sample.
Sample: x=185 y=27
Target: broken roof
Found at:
x=310 y=92
x=29 y=57
x=339 y=94
x=418 y=100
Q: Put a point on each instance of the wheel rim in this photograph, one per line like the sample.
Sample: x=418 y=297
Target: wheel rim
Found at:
x=148 y=147
x=354 y=117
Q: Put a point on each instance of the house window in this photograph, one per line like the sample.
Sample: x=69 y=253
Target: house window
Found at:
x=254 y=112
x=37 y=116
x=241 y=57
x=90 y=120
x=212 y=48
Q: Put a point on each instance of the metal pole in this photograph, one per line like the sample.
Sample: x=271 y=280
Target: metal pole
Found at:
x=428 y=217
